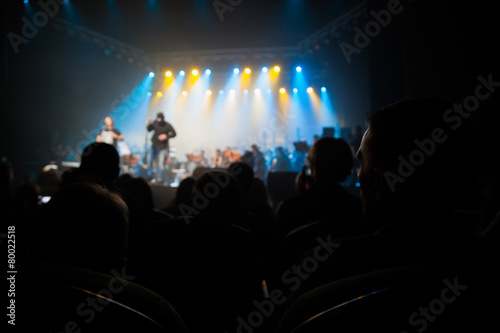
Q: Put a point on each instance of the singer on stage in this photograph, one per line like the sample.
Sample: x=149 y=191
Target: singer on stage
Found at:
x=109 y=134
x=163 y=131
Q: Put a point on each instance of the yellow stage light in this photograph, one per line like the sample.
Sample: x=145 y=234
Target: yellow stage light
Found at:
x=159 y=94
x=184 y=93
x=247 y=71
x=309 y=90
x=282 y=90
x=276 y=69
x=195 y=72
x=168 y=74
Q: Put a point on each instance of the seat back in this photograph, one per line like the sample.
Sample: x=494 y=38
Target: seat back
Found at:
x=45 y=305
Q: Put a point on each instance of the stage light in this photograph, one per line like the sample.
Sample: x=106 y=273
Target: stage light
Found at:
x=245 y=91
x=195 y=72
x=149 y=94
x=276 y=69
x=221 y=92
x=236 y=70
x=309 y=90
x=282 y=90
x=247 y=71
x=295 y=90
x=323 y=89
x=208 y=71
x=25 y=1
x=151 y=74
x=208 y=92
x=159 y=94
x=268 y=91
x=184 y=93
x=182 y=73
x=298 y=69
x=264 y=69
x=257 y=91
x=168 y=74
x=232 y=92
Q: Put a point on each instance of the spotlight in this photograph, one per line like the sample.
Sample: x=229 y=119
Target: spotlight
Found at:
x=247 y=71
x=323 y=89
x=257 y=91
x=184 y=93
x=245 y=91
x=149 y=94
x=208 y=71
x=182 y=73
x=298 y=69
x=236 y=70
x=208 y=92
x=268 y=91
x=276 y=69
x=282 y=90
x=264 y=69
x=232 y=92
x=25 y=1
x=151 y=74
x=195 y=72
x=221 y=92
x=295 y=90
x=168 y=74
x=309 y=90
x=159 y=94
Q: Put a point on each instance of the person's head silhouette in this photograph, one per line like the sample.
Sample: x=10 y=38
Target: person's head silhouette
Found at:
x=414 y=162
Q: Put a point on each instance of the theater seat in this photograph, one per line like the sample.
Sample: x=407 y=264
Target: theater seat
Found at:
x=394 y=300
x=70 y=298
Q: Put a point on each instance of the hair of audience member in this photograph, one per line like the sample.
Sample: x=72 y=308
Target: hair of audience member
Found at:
x=331 y=160
x=446 y=171
x=219 y=193
x=140 y=189
x=101 y=160
x=184 y=192
x=243 y=172
x=123 y=179
x=84 y=224
x=259 y=192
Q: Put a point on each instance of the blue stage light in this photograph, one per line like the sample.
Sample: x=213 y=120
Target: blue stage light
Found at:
x=298 y=69
x=236 y=70
x=208 y=71
x=182 y=73
x=323 y=89
x=151 y=74
x=295 y=90
x=264 y=69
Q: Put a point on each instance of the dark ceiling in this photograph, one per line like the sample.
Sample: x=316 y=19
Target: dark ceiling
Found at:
x=166 y=25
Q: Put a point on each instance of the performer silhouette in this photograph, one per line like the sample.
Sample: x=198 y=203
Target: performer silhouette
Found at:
x=163 y=131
